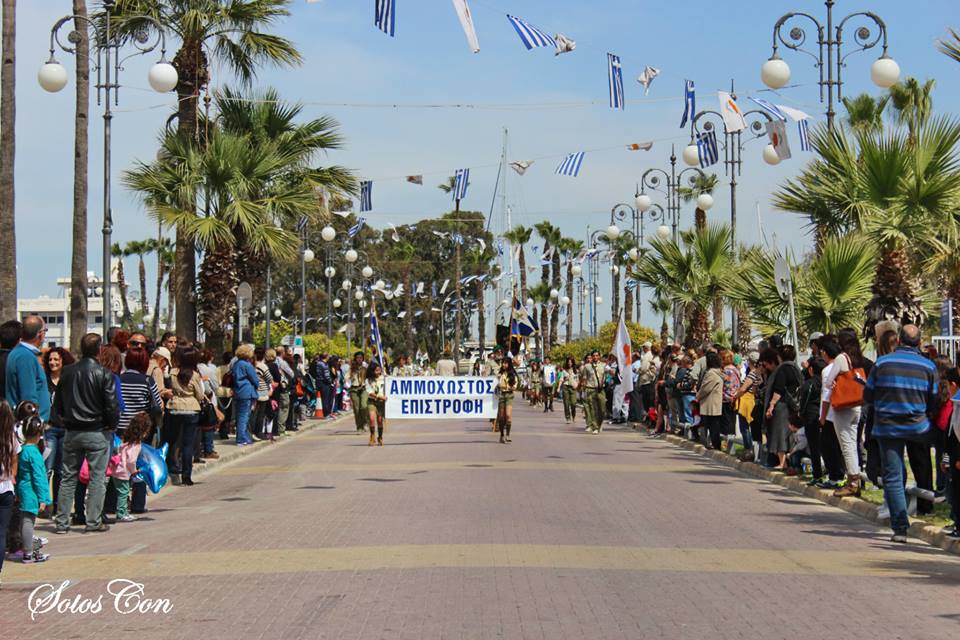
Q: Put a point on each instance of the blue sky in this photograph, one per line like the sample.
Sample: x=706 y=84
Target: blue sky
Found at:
x=558 y=106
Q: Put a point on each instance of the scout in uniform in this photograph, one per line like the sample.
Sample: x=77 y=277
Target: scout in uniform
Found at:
x=507 y=382
x=358 y=391
x=376 y=400
x=591 y=380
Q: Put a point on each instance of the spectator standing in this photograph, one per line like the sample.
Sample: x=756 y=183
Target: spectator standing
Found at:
x=710 y=399
x=902 y=390
x=140 y=395
x=87 y=402
x=245 y=382
x=54 y=361
x=25 y=378
x=846 y=421
x=184 y=414
x=9 y=453
x=9 y=337
x=446 y=365
x=731 y=391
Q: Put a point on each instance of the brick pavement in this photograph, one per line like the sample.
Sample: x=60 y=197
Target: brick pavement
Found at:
x=444 y=533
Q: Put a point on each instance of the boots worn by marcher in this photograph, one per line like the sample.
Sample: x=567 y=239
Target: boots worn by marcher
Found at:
x=372 y=439
x=508 y=433
x=851 y=489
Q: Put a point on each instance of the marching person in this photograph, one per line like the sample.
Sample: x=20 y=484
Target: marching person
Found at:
x=547 y=379
x=507 y=383
x=591 y=381
x=358 y=391
x=491 y=368
x=534 y=382
x=376 y=400
x=567 y=383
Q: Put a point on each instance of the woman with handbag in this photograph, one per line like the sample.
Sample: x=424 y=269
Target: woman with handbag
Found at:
x=184 y=412
x=846 y=380
x=140 y=394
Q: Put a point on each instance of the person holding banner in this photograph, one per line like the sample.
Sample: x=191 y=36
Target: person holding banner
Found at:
x=358 y=391
x=548 y=380
x=376 y=401
x=507 y=383
x=591 y=381
x=567 y=384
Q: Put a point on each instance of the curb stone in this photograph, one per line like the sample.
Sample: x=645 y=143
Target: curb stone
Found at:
x=918 y=528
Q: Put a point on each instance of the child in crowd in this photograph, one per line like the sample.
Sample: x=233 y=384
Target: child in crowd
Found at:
x=33 y=490
x=9 y=452
x=950 y=464
x=126 y=467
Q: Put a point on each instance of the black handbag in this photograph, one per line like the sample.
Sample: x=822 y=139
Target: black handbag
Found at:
x=208 y=415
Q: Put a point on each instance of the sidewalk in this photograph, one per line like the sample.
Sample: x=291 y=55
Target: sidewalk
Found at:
x=867 y=510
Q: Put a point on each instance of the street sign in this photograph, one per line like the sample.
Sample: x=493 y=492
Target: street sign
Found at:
x=244 y=295
x=781 y=273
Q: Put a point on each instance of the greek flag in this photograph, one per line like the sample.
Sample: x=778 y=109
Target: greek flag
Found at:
x=385 y=15
x=366 y=196
x=375 y=332
x=570 y=165
x=689 y=102
x=631 y=285
x=302 y=224
x=355 y=229
x=615 y=81
x=804 y=135
x=456 y=237
x=770 y=108
x=707 y=148
x=499 y=247
x=530 y=35
x=460 y=183
x=522 y=323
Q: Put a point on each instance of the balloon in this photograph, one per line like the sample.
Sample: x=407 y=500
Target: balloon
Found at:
x=152 y=466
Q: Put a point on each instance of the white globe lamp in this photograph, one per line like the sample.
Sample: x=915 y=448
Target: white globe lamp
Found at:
x=329 y=272
x=351 y=255
x=367 y=272
x=775 y=73
x=345 y=285
x=363 y=304
x=162 y=77
x=529 y=302
x=643 y=202
x=328 y=233
x=634 y=254
x=613 y=232
x=308 y=255
x=705 y=201
x=691 y=155
x=263 y=309
x=885 y=72
x=52 y=76
x=358 y=294
x=277 y=313
x=380 y=284
x=599 y=299
x=770 y=155
x=388 y=295
x=663 y=232
x=565 y=300
x=576 y=270
x=614 y=270
x=336 y=303
x=554 y=294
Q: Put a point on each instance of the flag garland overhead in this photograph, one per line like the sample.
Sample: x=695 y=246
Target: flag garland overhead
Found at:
x=615 y=81
x=689 y=102
x=571 y=165
x=530 y=35
x=707 y=148
x=646 y=78
x=466 y=21
x=385 y=15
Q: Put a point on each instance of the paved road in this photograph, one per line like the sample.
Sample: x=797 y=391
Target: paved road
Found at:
x=444 y=533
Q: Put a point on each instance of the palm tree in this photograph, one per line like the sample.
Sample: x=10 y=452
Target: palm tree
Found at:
x=951 y=47
x=702 y=183
x=163 y=248
x=140 y=248
x=119 y=253
x=912 y=103
x=571 y=247
x=551 y=273
x=8 y=239
x=902 y=191
x=540 y=293
x=231 y=31
x=517 y=237
x=78 y=259
x=865 y=112
x=662 y=307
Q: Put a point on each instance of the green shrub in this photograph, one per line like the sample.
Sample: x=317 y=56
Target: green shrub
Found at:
x=603 y=342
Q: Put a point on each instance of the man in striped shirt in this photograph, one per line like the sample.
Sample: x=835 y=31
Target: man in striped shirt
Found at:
x=902 y=391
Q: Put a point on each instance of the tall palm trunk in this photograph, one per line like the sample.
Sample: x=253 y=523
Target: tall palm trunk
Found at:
x=700 y=219
x=699 y=323
x=555 y=316
x=615 y=296
x=894 y=291
x=8 y=238
x=171 y=304
x=717 y=313
x=545 y=317
x=122 y=285
x=744 y=328
x=664 y=331
x=570 y=306
x=218 y=286
x=627 y=304
x=481 y=318
x=191 y=65
x=155 y=327
x=408 y=316
x=522 y=264
x=81 y=123
x=143 y=285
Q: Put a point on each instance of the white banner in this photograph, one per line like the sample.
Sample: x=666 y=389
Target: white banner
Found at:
x=441 y=397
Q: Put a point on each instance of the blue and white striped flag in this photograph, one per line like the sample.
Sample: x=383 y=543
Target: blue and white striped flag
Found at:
x=689 y=102
x=302 y=224
x=385 y=15
x=707 y=148
x=770 y=108
x=375 y=332
x=615 y=81
x=570 y=165
x=530 y=35
x=366 y=196
x=499 y=246
x=457 y=237
x=355 y=229
x=804 y=135
x=631 y=285
x=460 y=183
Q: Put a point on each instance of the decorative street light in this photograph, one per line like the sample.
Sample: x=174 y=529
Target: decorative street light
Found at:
x=367 y=272
x=884 y=72
x=53 y=77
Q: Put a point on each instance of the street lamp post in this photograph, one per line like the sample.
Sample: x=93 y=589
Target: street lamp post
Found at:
x=884 y=72
x=732 y=161
x=53 y=77
x=306 y=255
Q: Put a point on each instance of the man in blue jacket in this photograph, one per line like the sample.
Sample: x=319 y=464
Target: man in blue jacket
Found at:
x=902 y=389
x=25 y=378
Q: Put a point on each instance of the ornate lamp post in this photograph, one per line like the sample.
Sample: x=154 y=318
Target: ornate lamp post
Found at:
x=108 y=64
x=884 y=72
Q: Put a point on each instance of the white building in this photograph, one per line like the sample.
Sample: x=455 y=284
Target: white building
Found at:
x=56 y=311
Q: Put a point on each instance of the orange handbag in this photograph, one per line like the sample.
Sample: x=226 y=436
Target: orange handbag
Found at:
x=848 y=388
